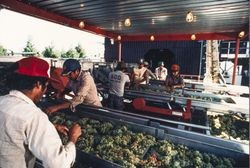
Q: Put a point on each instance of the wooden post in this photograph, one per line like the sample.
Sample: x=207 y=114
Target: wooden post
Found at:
x=119 y=51
x=236 y=60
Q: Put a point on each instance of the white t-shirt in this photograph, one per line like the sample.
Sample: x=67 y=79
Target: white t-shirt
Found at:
x=117 y=81
x=161 y=74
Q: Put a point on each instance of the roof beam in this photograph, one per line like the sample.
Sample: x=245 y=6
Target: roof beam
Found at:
x=178 y=37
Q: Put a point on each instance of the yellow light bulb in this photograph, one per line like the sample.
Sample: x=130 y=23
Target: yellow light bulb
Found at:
x=241 y=34
x=119 y=38
x=190 y=17
x=81 y=24
x=127 y=22
x=193 y=37
x=152 y=38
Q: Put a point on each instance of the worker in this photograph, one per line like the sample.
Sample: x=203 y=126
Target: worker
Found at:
x=117 y=80
x=150 y=74
x=25 y=131
x=81 y=83
x=161 y=72
x=174 y=80
x=139 y=75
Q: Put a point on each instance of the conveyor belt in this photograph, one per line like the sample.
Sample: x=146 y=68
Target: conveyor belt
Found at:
x=223 y=105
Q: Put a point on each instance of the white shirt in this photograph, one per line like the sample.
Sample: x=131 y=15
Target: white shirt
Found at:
x=117 y=81
x=161 y=73
x=25 y=132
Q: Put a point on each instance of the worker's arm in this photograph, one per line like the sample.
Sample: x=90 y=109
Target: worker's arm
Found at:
x=145 y=77
x=151 y=74
x=127 y=81
x=181 y=84
x=55 y=108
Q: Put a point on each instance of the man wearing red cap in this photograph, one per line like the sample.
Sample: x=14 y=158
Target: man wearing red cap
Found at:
x=174 y=80
x=25 y=131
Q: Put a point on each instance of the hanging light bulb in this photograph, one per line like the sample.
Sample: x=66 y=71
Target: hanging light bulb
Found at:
x=152 y=38
x=119 y=38
x=241 y=34
x=190 y=17
x=81 y=24
x=193 y=37
x=127 y=22
x=112 y=41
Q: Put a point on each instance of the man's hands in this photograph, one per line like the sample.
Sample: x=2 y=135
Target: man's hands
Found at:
x=62 y=129
x=74 y=133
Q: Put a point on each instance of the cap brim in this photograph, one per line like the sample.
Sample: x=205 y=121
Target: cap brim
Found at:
x=65 y=73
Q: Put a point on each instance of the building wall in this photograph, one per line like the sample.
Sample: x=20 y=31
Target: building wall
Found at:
x=187 y=53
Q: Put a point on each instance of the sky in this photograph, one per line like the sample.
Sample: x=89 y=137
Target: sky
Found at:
x=16 y=29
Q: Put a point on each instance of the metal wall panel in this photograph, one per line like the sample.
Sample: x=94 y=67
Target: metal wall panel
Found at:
x=187 y=53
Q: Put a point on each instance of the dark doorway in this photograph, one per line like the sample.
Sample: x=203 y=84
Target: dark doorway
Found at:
x=153 y=56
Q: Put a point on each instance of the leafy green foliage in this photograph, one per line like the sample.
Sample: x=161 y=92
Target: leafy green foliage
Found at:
x=3 y=51
x=80 y=51
x=77 y=52
x=50 y=52
x=29 y=49
x=71 y=53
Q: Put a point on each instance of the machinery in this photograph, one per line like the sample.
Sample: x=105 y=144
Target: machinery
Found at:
x=158 y=129
x=206 y=101
x=151 y=106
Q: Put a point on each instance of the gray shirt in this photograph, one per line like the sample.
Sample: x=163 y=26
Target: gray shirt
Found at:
x=85 y=90
x=117 y=81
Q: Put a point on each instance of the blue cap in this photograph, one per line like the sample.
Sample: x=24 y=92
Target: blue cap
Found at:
x=69 y=66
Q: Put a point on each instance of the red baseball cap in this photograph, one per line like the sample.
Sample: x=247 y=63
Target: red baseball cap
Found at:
x=175 y=67
x=33 y=66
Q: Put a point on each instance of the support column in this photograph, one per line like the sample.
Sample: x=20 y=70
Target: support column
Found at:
x=119 y=51
x=236 y=60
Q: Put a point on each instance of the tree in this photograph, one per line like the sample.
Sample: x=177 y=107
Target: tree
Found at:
x=3 y=51
x=80 y=51
x=49 y=52
x=71 y=53
x=29 y=49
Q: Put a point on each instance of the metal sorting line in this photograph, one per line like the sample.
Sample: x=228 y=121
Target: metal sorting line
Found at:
x=223 y=104
x=212 y=87
x=204 y=143
x=153 y=126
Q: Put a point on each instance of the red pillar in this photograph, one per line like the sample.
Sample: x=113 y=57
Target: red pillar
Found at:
x=236 y=60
